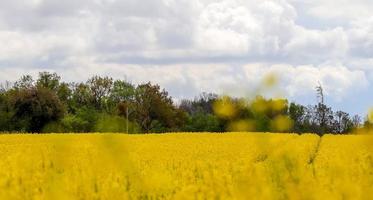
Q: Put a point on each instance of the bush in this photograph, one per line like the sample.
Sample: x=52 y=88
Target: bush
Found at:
x=115 y=124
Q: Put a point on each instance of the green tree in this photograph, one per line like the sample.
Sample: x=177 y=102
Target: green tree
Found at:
x=35 y=107
x=153 y=109
x=25 y=82
x=5 y=112
x=342 y=123
x=48 y=80
x=64 y=93
x=122 y=91
x=202 y=122
x=121 y=98
x=297 y=113
x=81 y=97
x=100 y=88
x=203 y=103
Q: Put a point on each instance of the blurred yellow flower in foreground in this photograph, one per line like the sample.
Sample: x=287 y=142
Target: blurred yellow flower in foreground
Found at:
x=270 y=80
x=370 y=115
x=282 y=123
x=224 y=107
x=242 y=126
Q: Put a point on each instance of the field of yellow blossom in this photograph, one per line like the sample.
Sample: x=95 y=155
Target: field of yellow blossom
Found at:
x=186 y=166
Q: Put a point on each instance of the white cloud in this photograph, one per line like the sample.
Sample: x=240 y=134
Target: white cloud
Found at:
x=190 y=46
x=295 y=81
x=339 y=9
x=233 y=27
x=318 y=45
x=176 y=31
x=361 y=38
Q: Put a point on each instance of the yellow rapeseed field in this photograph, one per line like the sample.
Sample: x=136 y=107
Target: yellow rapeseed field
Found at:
x=186 y=166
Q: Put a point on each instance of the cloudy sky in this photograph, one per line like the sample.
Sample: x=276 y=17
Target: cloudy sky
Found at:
x=191 y=46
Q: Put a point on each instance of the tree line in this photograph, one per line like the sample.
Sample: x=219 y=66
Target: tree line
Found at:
x=102 y=104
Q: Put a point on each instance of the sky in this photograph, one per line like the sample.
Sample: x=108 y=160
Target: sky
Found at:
x=194 y=46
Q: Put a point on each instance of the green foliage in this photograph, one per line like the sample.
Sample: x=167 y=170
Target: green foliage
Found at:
x=297 y=113
x=5 y=121
x=114 y=124
x=83 y=121
x=153 y=108
x=64 y=93
x=102 y=104
x=48 y=80
x=99 y=88
x=25 y=82
x=203 y=122
x=121 y=97
x=35 y=107
x=55 y=127
x=122 y=91
x=6 y=114
x=81 y=97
